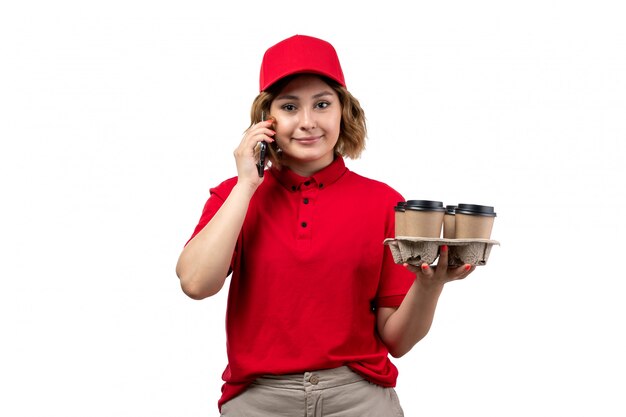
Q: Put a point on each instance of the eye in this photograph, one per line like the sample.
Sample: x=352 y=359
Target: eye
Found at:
x=322 y=105
x=288 y=107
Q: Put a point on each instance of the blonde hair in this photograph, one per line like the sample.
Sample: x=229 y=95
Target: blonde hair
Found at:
x=353 y=131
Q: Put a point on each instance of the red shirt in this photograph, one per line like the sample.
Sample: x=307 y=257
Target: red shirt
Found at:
x=308 y=267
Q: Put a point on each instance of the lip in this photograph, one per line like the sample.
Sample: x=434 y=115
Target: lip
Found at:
x=308 y=139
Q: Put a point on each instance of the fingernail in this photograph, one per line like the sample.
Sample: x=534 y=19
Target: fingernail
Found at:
x=444 y=248
x=425 y=267
x=468 y=267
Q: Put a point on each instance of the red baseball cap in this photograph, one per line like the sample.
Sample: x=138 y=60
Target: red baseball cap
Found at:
x=300 y=54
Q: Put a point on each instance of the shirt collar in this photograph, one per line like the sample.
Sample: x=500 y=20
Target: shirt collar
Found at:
x=323 y=178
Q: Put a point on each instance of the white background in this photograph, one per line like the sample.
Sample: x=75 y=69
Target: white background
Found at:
x=116 y=117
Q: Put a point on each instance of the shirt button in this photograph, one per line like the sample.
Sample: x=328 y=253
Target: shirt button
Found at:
x=293 y=188
x=321 y=185
x=307 y=183
x=314 y=379
x=303 y=224
x=305 y=201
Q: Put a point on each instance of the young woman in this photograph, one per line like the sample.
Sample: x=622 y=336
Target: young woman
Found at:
x=316 y=303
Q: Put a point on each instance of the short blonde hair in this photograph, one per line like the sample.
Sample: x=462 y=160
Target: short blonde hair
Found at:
x=353 y=131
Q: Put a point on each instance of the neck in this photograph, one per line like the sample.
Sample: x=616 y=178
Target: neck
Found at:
x=306 y=169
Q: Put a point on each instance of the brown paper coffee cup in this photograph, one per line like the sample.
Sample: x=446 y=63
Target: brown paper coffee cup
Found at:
x=449 y=222
x=400 y=220
x=473 y=221
x=423 y=218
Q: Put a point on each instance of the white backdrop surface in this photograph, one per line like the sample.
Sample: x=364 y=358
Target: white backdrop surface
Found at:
x=116 y=117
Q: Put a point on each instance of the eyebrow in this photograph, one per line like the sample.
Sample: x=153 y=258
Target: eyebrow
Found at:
x=292 y=97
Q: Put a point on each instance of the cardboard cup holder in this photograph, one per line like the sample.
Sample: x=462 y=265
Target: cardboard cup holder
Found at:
x=417 y=250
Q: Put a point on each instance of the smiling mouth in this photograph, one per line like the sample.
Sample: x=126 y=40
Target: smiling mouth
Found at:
x=310 y=139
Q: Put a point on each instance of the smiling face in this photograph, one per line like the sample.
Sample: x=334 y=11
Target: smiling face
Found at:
x=308 y=121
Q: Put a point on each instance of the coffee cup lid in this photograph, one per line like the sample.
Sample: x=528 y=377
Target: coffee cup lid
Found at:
x=425 y=205
x=450 y=209
x=476 y=210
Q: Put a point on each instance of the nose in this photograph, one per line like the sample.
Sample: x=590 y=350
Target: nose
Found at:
x=307 y=121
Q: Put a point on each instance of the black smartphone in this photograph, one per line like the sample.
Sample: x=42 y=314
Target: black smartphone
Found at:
x=262 y=152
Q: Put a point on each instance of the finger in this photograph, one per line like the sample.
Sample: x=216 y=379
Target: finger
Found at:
x=263 y=135
x=250 y=144
x=261 y=128
x=426 y=270
x=443 y=256
x=422 y=269
x=469 y=269
x=460 y=272
x=266 y=126
x=257 y=150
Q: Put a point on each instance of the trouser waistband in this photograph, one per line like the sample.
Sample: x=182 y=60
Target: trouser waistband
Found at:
x=314 y=380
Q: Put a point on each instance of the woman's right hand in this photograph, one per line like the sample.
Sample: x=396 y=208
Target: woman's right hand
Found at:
x=247 y=153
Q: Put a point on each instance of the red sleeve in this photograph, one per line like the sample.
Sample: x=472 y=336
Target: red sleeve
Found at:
x=217 y=196
x=395 y=280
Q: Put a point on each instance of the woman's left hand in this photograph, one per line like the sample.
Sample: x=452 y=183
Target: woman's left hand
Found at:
x=441 y=273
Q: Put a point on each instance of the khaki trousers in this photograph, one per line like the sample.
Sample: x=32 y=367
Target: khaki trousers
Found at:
x=338 y=392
